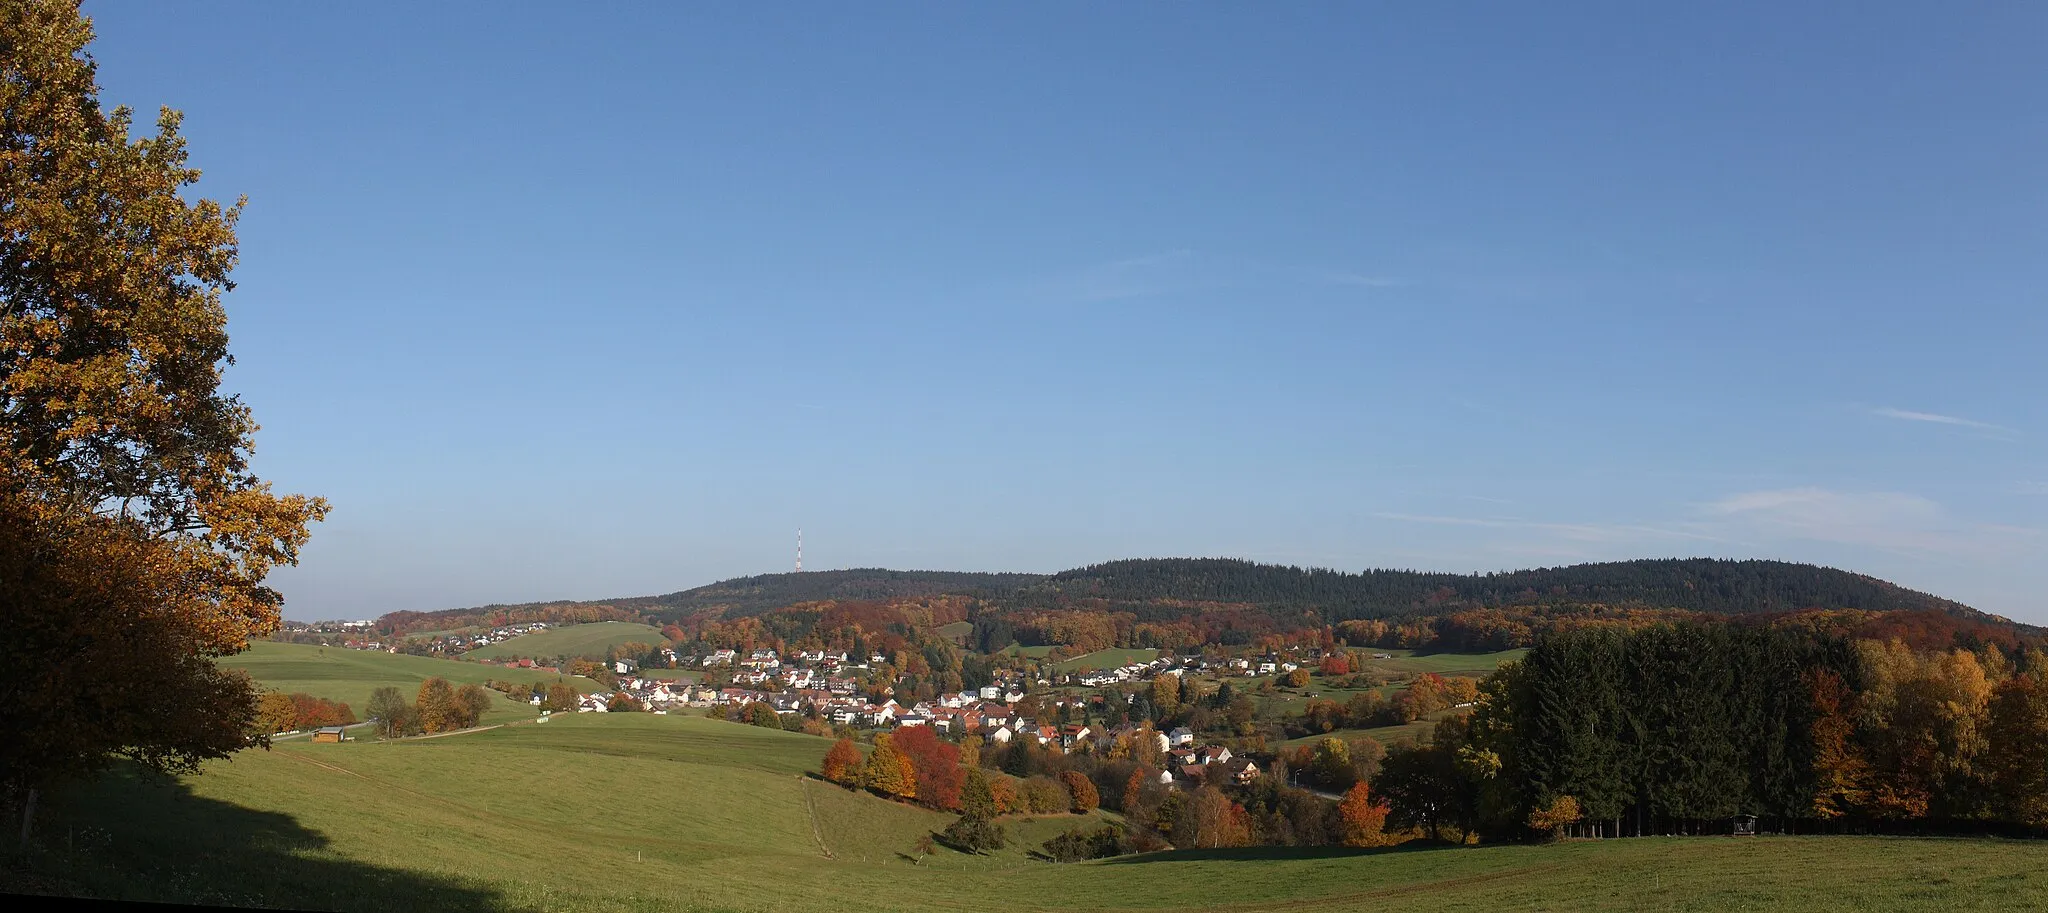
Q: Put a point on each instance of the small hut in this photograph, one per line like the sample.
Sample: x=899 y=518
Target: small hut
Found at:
x=330 y=734
x=1744 y=825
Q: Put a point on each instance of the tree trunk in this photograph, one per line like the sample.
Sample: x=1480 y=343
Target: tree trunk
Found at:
x=28 y=814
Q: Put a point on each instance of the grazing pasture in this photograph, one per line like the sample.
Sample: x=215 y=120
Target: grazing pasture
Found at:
x=629 y=812
x=589 y=641
x=346 y=675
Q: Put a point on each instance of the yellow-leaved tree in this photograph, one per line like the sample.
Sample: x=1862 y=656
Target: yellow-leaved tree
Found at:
x=134 y=539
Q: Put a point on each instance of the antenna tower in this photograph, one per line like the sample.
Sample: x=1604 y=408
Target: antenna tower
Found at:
x=799 y=550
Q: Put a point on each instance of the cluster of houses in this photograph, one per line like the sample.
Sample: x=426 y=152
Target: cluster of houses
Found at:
x=815 y=683
x=1131 y=672
x=487 y=638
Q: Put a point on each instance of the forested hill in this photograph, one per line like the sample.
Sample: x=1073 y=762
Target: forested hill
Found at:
x=1173 y=586
x=754 y=595
x=1696 y=584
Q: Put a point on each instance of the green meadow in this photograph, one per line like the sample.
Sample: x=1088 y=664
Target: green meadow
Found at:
x=628 y=812
x=341 y=674
x=1471 y=664
x=590 y=640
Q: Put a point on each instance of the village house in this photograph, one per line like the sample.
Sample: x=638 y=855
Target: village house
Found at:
x=1239 y=770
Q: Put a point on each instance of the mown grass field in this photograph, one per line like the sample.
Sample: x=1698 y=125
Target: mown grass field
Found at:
x=1473 y=664
x=638 y=812
x=341 y=674
x=591 y=641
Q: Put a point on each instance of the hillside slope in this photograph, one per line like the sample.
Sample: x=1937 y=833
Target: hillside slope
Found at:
x=636 y=812
x=1164 y=588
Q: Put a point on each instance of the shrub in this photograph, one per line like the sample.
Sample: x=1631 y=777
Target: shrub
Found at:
x=1044 y=795
x=1077 y=845
x=975 y=835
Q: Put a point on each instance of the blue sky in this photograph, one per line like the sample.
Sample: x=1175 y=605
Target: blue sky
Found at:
x=570 y=301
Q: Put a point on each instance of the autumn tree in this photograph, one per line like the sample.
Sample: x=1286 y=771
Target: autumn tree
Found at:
x=1044 y=795
x=1004 y=790
x=1082 y=791
x=474 y=701
x=2017 y=732
x=560 y=698
x=842 y=763
x=935 y=764
x=1297 y=678
x=1364 y=817
x=1134 y=792
x=1840 y=773
x=126 y=500
x=887 y=771
x=1210 y=820
x=1550 y=821
x=437 y=707
x=276 y=712
x=1166 y=694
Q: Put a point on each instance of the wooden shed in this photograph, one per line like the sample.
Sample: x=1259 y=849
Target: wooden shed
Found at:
x=1744 y=825
x=330 y=734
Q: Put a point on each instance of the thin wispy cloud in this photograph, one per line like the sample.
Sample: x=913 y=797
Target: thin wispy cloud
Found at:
x=1899 y=522
x=1138 y=277
x=1907 y=415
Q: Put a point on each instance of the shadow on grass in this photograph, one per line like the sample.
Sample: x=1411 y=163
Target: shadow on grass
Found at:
x=1275 y=853
x=124 y=838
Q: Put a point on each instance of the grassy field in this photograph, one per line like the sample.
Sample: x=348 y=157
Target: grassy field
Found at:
x=957 y=631
x=341 y=674
x=591 y=641
x=1473 y=664
x=1106 y=659
x=622 y=812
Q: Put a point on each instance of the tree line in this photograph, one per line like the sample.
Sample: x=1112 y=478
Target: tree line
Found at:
x=438 y=707
x=1681 y=728
x=277 y=712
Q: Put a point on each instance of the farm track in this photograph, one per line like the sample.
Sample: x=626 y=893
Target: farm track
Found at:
x=811 y=811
